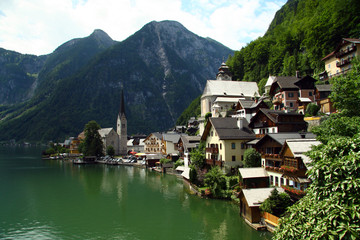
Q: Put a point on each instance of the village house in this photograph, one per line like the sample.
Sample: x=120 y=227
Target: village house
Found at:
x=247 y=108
x=225 y=140
x=322 y=93
x=275 y=121
x=292 y=93
x=295 y=164
x=339 y=61
x=136 y=144
x=270 y=146
x=153 y=143
x=169 y=144
x=250 y=201
x=187 y=143
x=223 y=94
x=256 y=177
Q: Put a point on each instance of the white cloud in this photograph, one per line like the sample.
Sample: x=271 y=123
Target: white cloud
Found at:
x=39 y=26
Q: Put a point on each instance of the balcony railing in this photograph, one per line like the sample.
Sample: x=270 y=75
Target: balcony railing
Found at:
x=346 y=51
x=213 y=162
x=213 y=150
x=343 y=62
x=274 y=169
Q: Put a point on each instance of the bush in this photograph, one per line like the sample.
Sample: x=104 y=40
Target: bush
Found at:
x=312 y=109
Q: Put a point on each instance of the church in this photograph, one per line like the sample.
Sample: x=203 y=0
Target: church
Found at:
x=118 y=138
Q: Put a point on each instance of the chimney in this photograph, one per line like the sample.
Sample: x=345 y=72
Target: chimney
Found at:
x=297 y=74
x=240 y=123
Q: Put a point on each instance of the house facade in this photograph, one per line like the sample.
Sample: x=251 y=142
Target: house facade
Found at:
x=339 y=61
x=187 y=143
x=288 y=93
x=153 y=143
x=322 y=93
x=225 y=140
x=247 y=108
x=275 y=121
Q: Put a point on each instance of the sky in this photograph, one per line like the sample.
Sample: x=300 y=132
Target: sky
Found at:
x=40 y=26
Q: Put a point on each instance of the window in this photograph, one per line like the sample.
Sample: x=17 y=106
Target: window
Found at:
x=290 y=94
x=220 y=146
x=276 y=181
x=291 y=104
x=232 y=145
x=242 y=145
x=281 y=181
x=242 y=157
x=233 y=158
x=310 y=94
x=329 y=66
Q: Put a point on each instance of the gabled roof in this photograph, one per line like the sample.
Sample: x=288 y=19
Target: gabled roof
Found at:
x=324 y=87
x=230 y=88
x=190 y=141
x=227 y=128
x=171 y=137
x=270 y=81
x=289 y=82
x=257 y=172
x=273 y=115
x=299 y=147
x=104 y=131
x=158 y=135
x=282 y=137
x=342 y=42
x=255 y=196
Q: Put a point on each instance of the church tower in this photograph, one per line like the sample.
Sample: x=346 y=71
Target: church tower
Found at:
x=122 y=127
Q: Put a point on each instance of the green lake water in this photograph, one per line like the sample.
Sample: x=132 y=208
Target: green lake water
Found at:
x=48 y=199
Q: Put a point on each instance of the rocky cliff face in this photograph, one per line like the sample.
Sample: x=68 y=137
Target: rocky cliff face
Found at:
x=161 y=68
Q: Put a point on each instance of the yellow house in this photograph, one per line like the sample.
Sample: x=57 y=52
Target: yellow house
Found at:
x=226 y=140
x=339 y=61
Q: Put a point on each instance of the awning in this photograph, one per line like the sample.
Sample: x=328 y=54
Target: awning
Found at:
x=140 y=154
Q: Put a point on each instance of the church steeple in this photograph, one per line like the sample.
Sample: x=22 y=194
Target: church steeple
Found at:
x=122 y=126
x=122 y=104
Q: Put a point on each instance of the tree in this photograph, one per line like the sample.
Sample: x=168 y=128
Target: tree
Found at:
x=276 y=203
x=110 y=151
x=93 y=145
x=331 y=207
x=197 y=156
x=346 y=91
x=216 y=181
x=252 y=158
x=312 y=109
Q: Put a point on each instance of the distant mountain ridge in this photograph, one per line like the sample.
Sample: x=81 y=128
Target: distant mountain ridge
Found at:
x=162 y=68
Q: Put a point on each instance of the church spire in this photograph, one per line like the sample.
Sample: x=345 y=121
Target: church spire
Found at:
x=122 y=104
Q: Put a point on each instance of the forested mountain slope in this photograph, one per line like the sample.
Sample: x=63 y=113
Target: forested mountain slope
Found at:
x=300 y=35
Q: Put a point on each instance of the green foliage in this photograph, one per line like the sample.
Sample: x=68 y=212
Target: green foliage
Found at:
x=93 y=145
x=346 y=91
x=261 y=85
x=165 y=161
x=216 y=181
x=197 y=156
x=331 y=207
x=193 y=110
x=110 y=151
x=252 y=158
x=276 y=203
x=178 y=163
x=55 y=149
x=193 y=175
x=312 y=109
x=300 y=35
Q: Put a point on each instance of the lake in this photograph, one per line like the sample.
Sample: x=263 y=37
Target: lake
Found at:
x=50 y=199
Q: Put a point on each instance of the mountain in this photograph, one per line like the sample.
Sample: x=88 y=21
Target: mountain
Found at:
x=300 y=35
x=161 y=69
x=18 y=75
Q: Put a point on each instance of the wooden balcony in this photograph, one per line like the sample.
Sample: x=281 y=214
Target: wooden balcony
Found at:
x=271 y=156
x=213 y=162
x=344 y=62
x=274 y=169
x=346 y=51
x=213 y=150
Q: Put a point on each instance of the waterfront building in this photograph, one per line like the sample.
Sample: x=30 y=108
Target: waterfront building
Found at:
x=225 y=140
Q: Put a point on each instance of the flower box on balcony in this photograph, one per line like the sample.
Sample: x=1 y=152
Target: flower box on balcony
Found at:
x=292 y=190
x=289 y=169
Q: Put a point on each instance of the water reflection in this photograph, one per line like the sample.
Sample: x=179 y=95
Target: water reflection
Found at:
x=59 y=200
